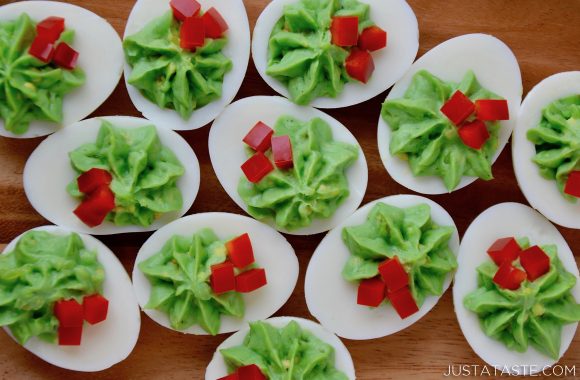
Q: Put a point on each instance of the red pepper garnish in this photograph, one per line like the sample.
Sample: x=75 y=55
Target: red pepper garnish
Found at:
x=93 y=209
x=250 y=372
x=69 y=313
x=572 y=186
x=233 y=376
x=215 y=25
x=259 y=137
x=223 y=278
x=192 y=33
x=360 y=65
x=282 y=151
x=65 y=56
x=393 y=274
x=344 y=30
x=535 y=262
x=240 y=251
x=371 y=292
x=474 y=134
x=403 y=302
x=50 y=28
x=42 y=49
x=257 y=167
x=372 y=38
x=183 y=9
x=90 y=180
x=251 y=280
x=506 y=249
x=509 y=277
x=70 y=336
x=95 y=308
x=492 y=109
x=458 y=108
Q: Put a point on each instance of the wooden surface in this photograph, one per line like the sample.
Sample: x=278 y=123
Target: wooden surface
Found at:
x=544 y=36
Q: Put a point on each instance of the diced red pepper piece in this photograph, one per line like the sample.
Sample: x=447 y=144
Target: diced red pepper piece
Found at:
x=259 y=137
x=344 y=30
x=371 y=292
x=240 y=251
x=535 y=261
x=458 y=108
x=69 y=313
x=70 y=336
x=250 y=372
x=251 y=280
x=282 y=151
x=183 y=9
x=233 y=376
x=509 y=277
x=393 y=274
x=492 y=109
x=257 y=167
x=93 y=210
x=92 y=179
x=506 y=249
x=403 y=302
x=192 y=33
x=42 y=49
x=50 y=28
x=474 y=134
x=372 y=38
x=223 y=278
x=95 y=308
x=215 y=25
x=360 y=65
x=65 y=56
x=572 y=186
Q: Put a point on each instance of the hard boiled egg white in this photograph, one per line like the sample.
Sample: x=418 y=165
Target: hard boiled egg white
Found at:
x=506 y=219
x=227 y=151
x=394 y=16
x=343 y=362
x=543 y=194
x=100 y=57
x=271 y=251
x=332 y=300
x=107 y=343
x=237 y=49
x=496 y=69
x=48 y=171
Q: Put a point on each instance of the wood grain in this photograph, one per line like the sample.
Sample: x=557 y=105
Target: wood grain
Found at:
x=544 y=36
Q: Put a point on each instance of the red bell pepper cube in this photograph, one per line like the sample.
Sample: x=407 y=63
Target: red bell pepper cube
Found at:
x=192 y=33
x=240 y=251
x=215 y=25
x=371 y=292
x=259 y=137
x=223 y=278
x=474 y=134
x=458 y=108
x=233 y=376
x=90 y=180
x=69 y=313
x=372 y=38
x=393 y=274
x=95 y=308
x=506 y=249
x=344 y=30
x=65 y=56
x=403 y=302
x=535 y=261
x=572 y=186
x=251 y=280
x=360 y=65
x=42 y=49
x=50 y=28
x=282 y=151
x=509 y=277
x=250 y=372
x=70 y=336
x=183 y=9
x=257 y=167
x=492 y=109
x=93 y=210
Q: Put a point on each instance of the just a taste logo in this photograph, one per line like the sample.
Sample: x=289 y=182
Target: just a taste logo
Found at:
x=473 y=370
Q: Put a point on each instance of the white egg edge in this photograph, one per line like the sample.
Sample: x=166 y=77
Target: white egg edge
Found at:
x=541 y=193
x=47 y=192
x=100 y=56
x=497 y=222
x=237 y=49
x=235 y=122
x=334 y=304
x=271 y=251
x=110 y=341
x=394 y=16
x=343 y=360
x=449 y=61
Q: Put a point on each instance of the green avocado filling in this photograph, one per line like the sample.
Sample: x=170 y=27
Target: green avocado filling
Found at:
x=180 y=282
x=31 y=90
x=316 y=185
x=173 y=77
x=420 y=244
x=144 y=172
x=557 y=141
x=428 y=140
x=44 y=268
x=531 y=315
x=286 y=353
x=301 y=54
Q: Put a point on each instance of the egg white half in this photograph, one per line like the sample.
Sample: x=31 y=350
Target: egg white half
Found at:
x=227 y=151
x=543 y=194
x=394 y=16
x=332 y=300
x=506 y=219
x=48 y=171
x=100 y=57
x=237 y=49
x=343 y=362
x=104 y=344
x=271 y=251
x=496 y=69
